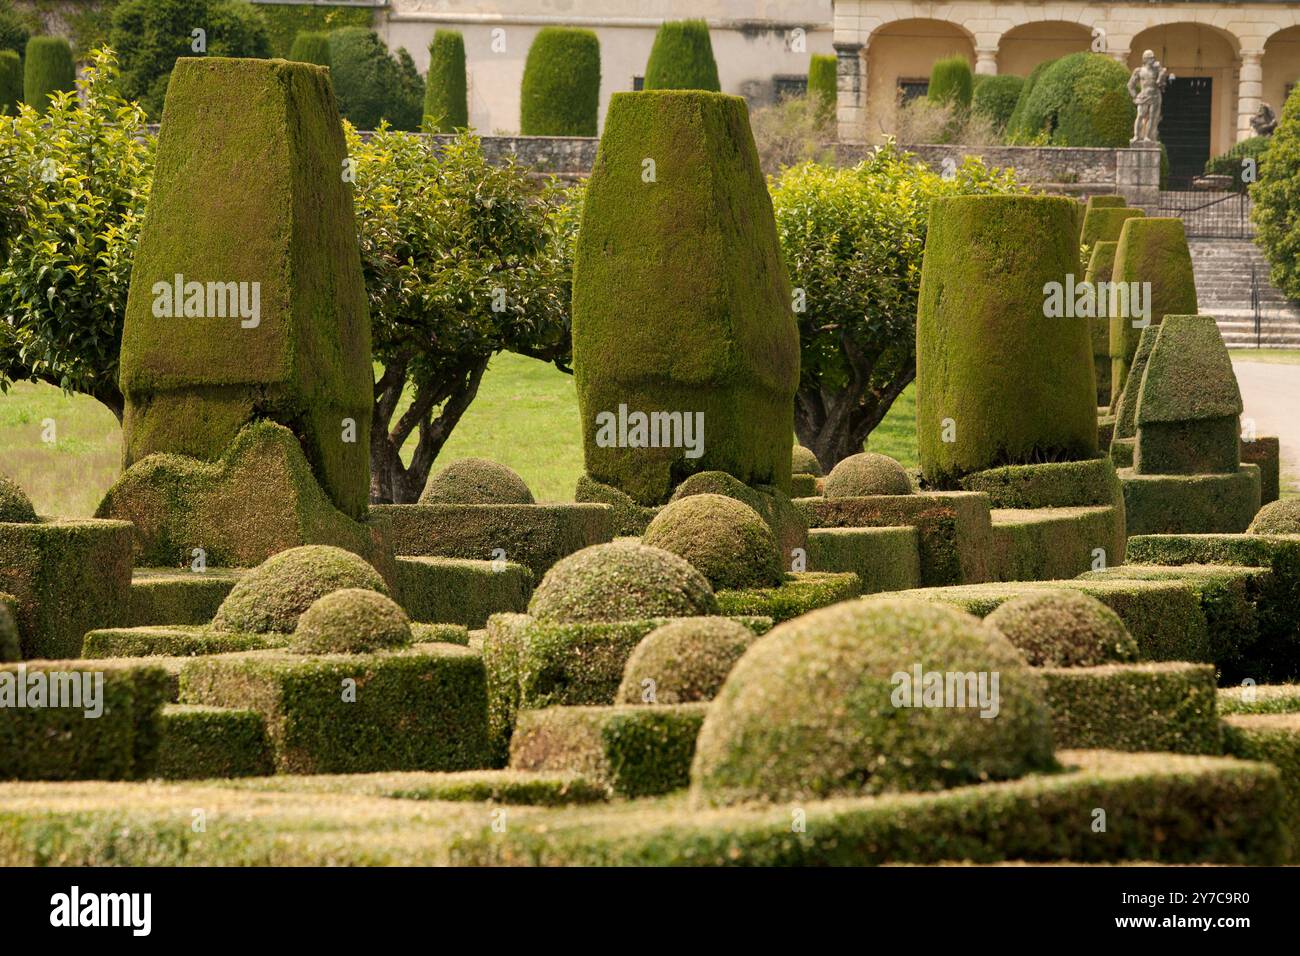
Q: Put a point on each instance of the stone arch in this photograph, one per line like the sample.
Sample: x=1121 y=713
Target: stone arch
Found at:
x=902 y=52
x=1281 y=66
x=1023 y=47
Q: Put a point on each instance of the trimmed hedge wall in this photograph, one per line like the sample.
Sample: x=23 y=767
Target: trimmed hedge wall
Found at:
x=1034 y=544
x=446 y=97
x=161 y=596
x=460 y=591
x=884 y=559
x=1265 y=452
x=1275 y=739
x=1166 y=707
x=561 y=85
x=175 y=641
x=799 y=594
x=682 y=58
x=1190 y=504
x=199 y=742
x=636 y=751
x=1260 y=699
x=421 y=709
x=1057 y=484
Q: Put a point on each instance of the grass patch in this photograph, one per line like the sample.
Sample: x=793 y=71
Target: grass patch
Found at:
x=1274 y=356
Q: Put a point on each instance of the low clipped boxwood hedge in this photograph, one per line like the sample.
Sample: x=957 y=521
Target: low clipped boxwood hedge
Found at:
x=637 y=751
x=884 y=559
x=461 y=591
x=1043 y=543
x=1057 y=484
x=1275 y=739
x=798 y=594
x=1260 y=699
x=173 y=641
x=166 y=596
x=199 y=742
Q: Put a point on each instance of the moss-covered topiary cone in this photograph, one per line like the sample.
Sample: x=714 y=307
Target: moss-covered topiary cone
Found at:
x=15 y=506
x=446 y=94
x=351 y=621
x=1150 y=250
x=685 y=348
x=560 y=95
x=248 y=208
x=722 y=538
x=867 y=473
x=816 y=709
x=621 y=581
x=682 y=58
x=683 y=661
x=1063 y=628
x=272 y=596
x=1104 y=223
x=47 y=68
x=998 y=381
x=476 y=481
x=1100 y=264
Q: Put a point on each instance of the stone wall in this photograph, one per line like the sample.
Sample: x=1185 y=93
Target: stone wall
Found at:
x=567 y=156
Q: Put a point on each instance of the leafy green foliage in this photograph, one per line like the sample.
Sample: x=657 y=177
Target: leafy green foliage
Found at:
x=561 y=87
x=1079 y=100
x=853 y=241
x=1276 y=199
x=148 y=36
x=996 y=97
x=1232 y=162
x=951 y=82
x=1016 y=132
x=15 y=28
x=11 y=82
x=75 y=182
x=372 y=85
x=284 y=21
x=446 y=102
x=47 y=69
x=311 y=47
x=682 y=58
x=462 y=260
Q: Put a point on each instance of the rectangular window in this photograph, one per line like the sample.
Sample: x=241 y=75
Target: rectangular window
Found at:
x=911 y=89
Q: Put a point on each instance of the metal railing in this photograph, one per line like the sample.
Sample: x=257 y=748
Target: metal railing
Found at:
x=1210 y=215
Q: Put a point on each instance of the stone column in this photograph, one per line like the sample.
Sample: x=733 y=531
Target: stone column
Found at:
x=986 y=60
x=1137 y=176
x=1250 y=91
x=851 y=92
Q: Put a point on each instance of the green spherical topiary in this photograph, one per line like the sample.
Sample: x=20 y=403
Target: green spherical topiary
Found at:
x=621 y=581
x=1017 y=130
x=683 y=661
x=311 y=47
x=867 y=473
x=724 y=539
x=824 y=706
x=47 y=68
x=1277 y=517
x=351 y=621
x=804 y=462
x=772 y=505
x=561 y=87
x=9 y=647
x=272 y=596
x=951 y=82
x=1063 y=628
x=11 y=82
x=476 y=481
x=995 y=97
x=15 y=506
x=446 y=97
x=1081 y=100
x=682 y=58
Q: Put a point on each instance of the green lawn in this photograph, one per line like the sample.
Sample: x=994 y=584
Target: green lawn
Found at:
x=525 y=416
x=1283 y=356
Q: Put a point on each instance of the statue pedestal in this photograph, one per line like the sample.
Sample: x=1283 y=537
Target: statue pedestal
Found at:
x=1137 y=175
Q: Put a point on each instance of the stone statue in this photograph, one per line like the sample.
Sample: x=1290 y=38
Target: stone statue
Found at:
x=1264 y=121
x=1147 y=88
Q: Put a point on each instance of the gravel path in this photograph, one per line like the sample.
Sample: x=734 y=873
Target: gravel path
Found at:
x=1271 y=395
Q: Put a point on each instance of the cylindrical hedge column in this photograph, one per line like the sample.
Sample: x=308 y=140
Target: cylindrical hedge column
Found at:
x=998 y=381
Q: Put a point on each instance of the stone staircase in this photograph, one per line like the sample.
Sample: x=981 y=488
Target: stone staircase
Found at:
x=1223 y=289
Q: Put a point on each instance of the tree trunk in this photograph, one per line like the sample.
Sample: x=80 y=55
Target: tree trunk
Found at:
x=835 y=425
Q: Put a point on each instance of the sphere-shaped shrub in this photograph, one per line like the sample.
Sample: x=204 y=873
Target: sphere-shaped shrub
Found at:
x=1277 y=517
x=15 y=506
x=785 y=520
x=561 y=87
x=867 y=473
x=724 y=539
x=1081 y=100
x=272 y=596
x=351 y=621
x=621 y=581
x=476 y=481
x=804 y=462
x=1063 y=628
x=683 y=661
x=9 y=647
x=827 y=705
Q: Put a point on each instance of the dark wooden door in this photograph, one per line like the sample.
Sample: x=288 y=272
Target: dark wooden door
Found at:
x=1185 y=127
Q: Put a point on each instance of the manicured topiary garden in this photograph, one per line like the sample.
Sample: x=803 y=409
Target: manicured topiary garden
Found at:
x=723 y=634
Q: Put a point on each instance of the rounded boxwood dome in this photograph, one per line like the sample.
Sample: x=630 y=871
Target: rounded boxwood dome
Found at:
x=772 y=505
x=621 y=581
x=1081 y=100
x=15 y=506
x=804 y=462
x=476 y=481
x=724 y=539
x=687 y=660
x=823 y=707
x=1277 y=517
x=9 y=647
x=867 y=473
x=272 y=596
x=351 y=621
x=1063 y=628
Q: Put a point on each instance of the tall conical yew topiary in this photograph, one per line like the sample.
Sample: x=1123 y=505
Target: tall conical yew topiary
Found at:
x=47 y=68
x=311 y=47
x=1100 y=264
x=822 y=80
x=951 y=82
x=561 y=88
x=11 y=82
x=682 y=58
x=999 y=380
x=446 y=97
